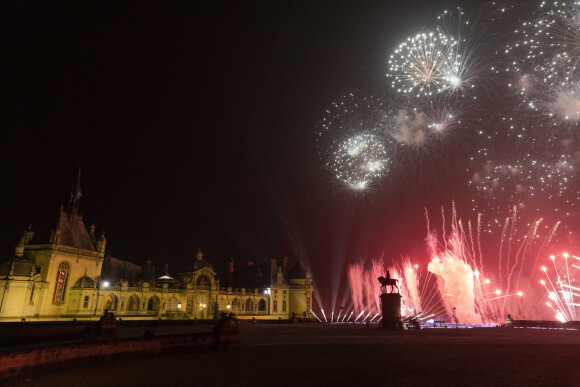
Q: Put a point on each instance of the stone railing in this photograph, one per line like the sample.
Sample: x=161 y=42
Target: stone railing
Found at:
x=130 y=312
x=111 y=288
x=66 y=249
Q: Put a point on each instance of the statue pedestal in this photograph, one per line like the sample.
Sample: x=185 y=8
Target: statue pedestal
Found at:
x=391 y=308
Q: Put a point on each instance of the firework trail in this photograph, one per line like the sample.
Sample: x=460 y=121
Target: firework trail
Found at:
x=450 y=97
x=417 y=295
x=460 y=286
x=355 y=277
x=561 y=286
x=411 y=281
x=462 y=283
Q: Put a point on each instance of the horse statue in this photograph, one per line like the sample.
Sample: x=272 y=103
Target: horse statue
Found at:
x=388 y=282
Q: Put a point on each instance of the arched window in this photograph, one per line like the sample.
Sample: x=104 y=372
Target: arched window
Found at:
x=133 y=303
x=262 y=305
x=110 y=303
x=202 y=281
x=61 y=279
x=153 y=304
x=249 y=305
x=236 y=305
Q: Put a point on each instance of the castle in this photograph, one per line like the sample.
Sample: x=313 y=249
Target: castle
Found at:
x=72 y=276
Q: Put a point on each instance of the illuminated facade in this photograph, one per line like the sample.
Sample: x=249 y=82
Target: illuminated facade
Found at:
x=73 y=277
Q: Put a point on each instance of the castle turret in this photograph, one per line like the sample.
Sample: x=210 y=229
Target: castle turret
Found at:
x=92 y=235
x=24 y=240
x=101 y=243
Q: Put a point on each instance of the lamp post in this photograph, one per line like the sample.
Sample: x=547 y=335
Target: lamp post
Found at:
x=267 y=291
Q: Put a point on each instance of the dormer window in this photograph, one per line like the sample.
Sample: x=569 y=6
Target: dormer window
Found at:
x=202 y=281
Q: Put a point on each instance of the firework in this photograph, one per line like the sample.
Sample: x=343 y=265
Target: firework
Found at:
x=536 y=187
x=561 y=286
x=457 y=282
x=449 y=60
x=418 y=295
x=463 y=280
x=545 y=58
x=359 y=160
x=353 y=141
x=428 y=123
x=424 y=65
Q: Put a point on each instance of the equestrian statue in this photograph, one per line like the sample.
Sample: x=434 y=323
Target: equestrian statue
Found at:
x=388 y=281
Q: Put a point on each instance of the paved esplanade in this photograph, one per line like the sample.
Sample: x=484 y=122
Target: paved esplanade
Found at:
x=319 y=354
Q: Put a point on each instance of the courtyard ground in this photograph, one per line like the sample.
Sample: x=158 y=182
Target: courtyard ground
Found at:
x=321 y=355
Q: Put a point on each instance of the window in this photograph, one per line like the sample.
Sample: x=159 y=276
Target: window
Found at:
x=249 y=305
x=153 y=304
x=308 y=303
x=275 y=306
x=262 y=305
x=202 y=281
x=32 y=291
x=172 y=304
x=284 y=306
x=86 y=303
x=60 y=285
x=133 y=303
x=235 y=305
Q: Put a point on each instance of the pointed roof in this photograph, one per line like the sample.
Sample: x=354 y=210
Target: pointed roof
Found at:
x=70 y=227
x=72 y=232
x=75 y=196
x=115 y=270
x=298 y=271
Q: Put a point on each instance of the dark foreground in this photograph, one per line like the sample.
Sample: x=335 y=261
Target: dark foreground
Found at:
x=309 y=354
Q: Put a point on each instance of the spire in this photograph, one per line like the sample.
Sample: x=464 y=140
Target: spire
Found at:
x=92 y=235
x=75 y=196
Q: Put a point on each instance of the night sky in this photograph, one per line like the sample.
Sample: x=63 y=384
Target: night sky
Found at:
x=194 y=124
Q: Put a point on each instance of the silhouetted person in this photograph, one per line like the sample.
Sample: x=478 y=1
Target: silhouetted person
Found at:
x=107 y=324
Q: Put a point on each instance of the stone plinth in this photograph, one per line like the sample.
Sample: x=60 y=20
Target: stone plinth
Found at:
x=391 y=308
